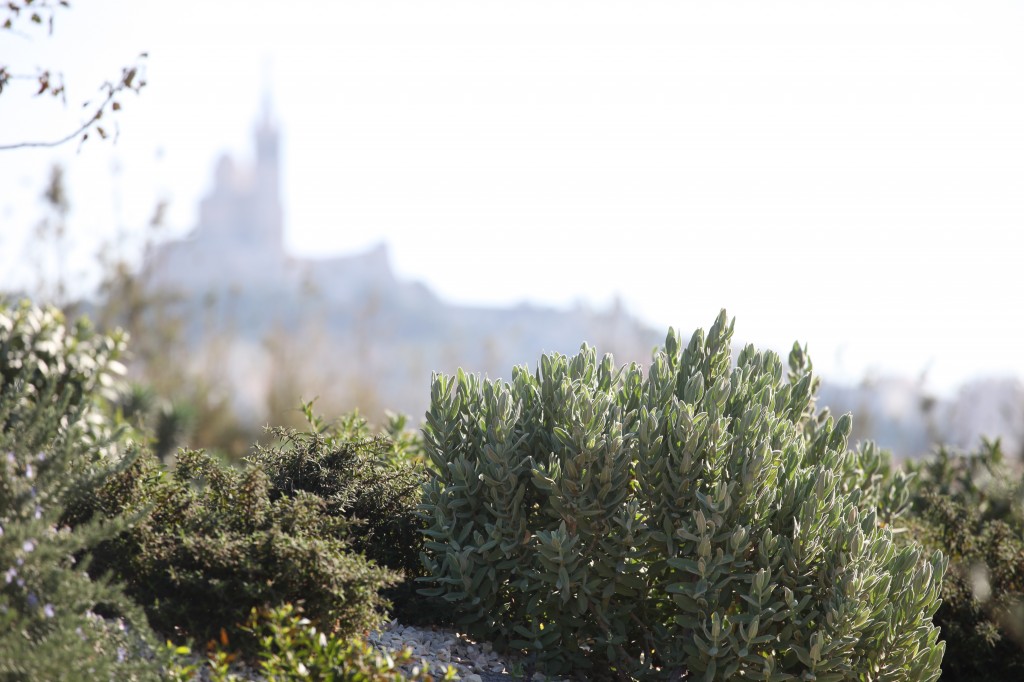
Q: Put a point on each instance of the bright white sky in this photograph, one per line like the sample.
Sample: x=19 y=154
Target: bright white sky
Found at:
x=849 y=174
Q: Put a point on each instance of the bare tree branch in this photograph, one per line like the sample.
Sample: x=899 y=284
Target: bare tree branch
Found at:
x=41 y=12
x=52 y=143
x=130 y=80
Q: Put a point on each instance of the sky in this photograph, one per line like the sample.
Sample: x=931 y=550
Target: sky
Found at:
x=844 y=174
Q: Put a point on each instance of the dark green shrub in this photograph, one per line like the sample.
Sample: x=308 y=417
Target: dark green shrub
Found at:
x=56 y=447
x=362 y=478
x=373 y=482
x=214 y=542
x=983 y=480
x=703 y=520
x=970 y=507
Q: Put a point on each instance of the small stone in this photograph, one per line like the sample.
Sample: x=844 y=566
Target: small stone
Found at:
x=473 y=678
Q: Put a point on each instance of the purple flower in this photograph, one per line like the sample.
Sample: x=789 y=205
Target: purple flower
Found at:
x=32 y=600
x=10 y=575
x=28 y=472
x=28 y=546
x=48 y=611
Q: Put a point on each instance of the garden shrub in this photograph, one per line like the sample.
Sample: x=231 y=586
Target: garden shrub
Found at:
x=44 y=362
x=56 y=447
x=214 y=541
x=970 y=506
x=983 y=480
x=702 y=520
x=361 y=477
x=373 y=482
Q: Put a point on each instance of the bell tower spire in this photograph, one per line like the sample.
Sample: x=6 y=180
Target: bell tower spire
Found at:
x=268 y=173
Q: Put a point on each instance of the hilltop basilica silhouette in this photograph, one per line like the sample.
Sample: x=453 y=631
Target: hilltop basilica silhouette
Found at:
x=238 y=244
x=348 y=319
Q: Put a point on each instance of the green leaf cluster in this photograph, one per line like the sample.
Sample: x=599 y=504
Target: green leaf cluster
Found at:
x=702 y=519
x=45 y=362
x=290 y=647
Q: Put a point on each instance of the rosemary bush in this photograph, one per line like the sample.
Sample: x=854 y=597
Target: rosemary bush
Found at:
x=56 y=447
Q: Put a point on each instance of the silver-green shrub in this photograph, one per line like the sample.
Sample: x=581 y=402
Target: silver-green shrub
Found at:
x=46 y=362
x=704 y=520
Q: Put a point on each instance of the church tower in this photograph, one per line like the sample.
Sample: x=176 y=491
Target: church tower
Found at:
x=239 y=239
x=267 y=181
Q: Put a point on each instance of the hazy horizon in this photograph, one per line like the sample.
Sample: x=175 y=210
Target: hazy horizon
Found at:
x=847 y=176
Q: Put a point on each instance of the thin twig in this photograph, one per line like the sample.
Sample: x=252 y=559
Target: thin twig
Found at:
x=128 y=82
x=55 y=143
